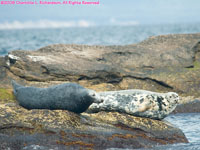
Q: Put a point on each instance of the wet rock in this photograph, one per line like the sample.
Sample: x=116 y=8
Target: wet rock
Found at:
x=189 y=107
x=58 y=129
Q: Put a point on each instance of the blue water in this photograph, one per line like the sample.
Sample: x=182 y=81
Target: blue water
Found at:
x=32 y=39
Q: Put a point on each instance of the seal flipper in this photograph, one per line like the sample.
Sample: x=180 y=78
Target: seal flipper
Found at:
x=16 y=86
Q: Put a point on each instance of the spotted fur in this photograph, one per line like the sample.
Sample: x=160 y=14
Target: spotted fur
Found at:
x=138 y=103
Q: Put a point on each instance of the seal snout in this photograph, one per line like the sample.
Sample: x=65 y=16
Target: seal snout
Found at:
x=96 y=97
x=101 y=101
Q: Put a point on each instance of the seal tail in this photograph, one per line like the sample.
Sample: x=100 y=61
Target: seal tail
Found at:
x=15 y=86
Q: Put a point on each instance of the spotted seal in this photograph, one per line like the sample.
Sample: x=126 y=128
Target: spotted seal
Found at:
x=67 y=96
x=138 y=103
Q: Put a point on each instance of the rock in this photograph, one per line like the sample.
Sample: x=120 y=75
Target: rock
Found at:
x=59 y=129
x=3 y=74
x=161 y=64
x=6 y=96
x=137 y=102
x=190 y=107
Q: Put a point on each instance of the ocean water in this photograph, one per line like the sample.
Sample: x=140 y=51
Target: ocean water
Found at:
x=32 y=39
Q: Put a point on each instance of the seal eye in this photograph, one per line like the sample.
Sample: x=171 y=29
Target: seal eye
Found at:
x=93 y=94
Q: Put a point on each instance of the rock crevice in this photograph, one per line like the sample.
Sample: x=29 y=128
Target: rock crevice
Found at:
x=161 y=63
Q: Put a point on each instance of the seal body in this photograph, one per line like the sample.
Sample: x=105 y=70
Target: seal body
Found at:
x=67 y=96
x=138 y=103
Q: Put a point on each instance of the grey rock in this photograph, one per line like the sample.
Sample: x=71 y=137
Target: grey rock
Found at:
x=67 y=96
x=160 y=63
x=138 y=103
x=192 y=106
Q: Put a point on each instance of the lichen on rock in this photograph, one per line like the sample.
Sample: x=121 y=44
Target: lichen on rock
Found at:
x=64 y=129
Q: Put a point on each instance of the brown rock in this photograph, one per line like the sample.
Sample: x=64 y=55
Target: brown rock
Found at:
x=60 y=129
x=161 y=63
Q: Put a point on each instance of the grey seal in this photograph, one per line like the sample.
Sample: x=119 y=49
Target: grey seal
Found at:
x=66 y=96
x=138 y=103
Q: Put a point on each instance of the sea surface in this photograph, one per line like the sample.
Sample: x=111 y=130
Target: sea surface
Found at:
x=32 y=39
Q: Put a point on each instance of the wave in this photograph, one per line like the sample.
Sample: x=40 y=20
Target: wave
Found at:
x=113 y=21
x=60 y=24
x=44 y=24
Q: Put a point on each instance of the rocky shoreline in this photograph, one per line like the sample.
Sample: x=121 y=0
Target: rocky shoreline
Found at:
x=166 y=63
x=66 y=130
